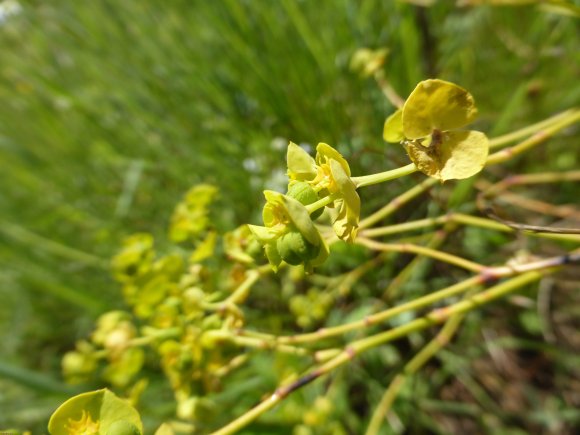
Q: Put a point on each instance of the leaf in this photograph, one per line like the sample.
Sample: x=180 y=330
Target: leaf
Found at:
x=100 y=409
x=436 y=105
x=424 y=161
x=301 y=165
x=393 y=129
x=459 y=155
x=151 y=294
x=282 y=214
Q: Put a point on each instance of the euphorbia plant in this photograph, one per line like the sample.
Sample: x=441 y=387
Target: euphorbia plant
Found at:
x=426 y=125
x=192 y=318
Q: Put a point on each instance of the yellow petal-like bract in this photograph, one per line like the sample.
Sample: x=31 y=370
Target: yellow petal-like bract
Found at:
x=393 y=129
x=437 y=105
x=459 y=155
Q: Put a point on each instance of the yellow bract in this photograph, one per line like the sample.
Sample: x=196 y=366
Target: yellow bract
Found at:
x=393 y=129
x=427 y=126
x=437 y=105
x=93 y=413
x=330 y=174
x=281 y=216
x=460 y=155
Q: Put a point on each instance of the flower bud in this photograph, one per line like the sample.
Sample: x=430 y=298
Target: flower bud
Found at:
x=192 y=300
x=77 y=366
x=108 y=323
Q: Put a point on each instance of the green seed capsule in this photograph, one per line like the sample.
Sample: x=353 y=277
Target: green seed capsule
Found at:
x=305 y=194
x=295 y=249
x=123 y=427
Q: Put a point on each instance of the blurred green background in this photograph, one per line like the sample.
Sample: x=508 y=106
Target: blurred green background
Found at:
x=111 y=110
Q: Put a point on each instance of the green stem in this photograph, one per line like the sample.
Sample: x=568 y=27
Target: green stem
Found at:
x=385 y=404
x=539 y=178
x=249 y=416
x=257 y=343
x=499 y=141
x=458 y=218
x=536 y=139
x=411 y=368
x=388 y=90
x=381 y=177
x=406 y=226
x=385 y=315
x=415 y=265
x=241 y=293
x=421 y=250
x=397 y=202
x=321 y=203
x=161 y=334
x=435 y=317
x=490 y=273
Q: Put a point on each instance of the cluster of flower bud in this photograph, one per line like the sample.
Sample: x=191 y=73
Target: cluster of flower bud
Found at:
x=174 y=312
x=289 y=233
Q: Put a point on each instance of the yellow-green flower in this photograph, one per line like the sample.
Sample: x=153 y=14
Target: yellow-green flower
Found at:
x=427 y=125
x=328 y=174
x=85 y=425
x=367 y=62
x=289 y=233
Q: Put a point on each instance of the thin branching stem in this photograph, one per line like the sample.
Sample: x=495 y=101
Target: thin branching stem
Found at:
x=397 y=202
x=538 y=137
x=381 y=177
x=436 y=240
x=419 y=360
x=458 y=218
x=489 y=274
x=498 y=142
x=421 y=250
x=435 y=317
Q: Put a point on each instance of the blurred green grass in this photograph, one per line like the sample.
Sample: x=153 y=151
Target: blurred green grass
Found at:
x=111 y=110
